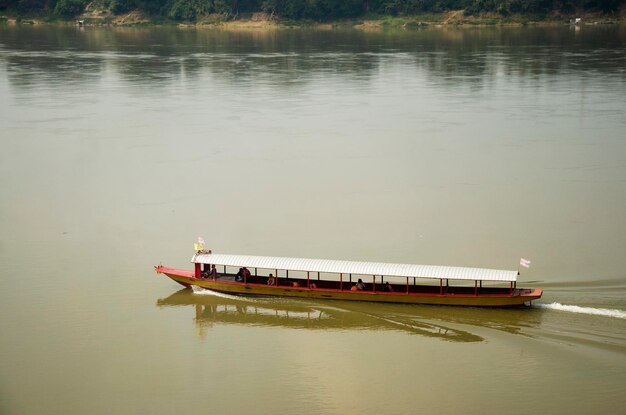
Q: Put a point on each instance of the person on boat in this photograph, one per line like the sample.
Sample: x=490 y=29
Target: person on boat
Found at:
x=246 y=273
x=295 y=284
x=360 y=285
x=239 y=275
x=205 y=273
x=213 y=273
x=387 y=287
x=271 y=280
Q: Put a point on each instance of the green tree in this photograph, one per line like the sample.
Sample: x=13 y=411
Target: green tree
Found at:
x=189 y=9
x=69 y=8
x=123 y=6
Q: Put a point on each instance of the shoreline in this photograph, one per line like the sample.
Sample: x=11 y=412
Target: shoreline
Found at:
x=450 y=19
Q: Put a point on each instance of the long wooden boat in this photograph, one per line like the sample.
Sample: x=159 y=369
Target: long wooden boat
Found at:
x=333 y=279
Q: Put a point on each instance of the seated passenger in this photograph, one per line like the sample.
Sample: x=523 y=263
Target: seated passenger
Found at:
x=313 y=285
x=239 y=275
x=213 y=273
x=295 y=284
x=360 y=285
x=271 y=280
x=387 y=287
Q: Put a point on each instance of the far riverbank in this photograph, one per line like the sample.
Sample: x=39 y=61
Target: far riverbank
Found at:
x=263 y=21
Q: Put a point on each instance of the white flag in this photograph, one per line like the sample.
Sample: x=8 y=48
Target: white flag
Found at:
x=524 y=262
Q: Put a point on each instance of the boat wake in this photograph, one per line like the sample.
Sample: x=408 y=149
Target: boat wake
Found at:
x=204 y=291
x=606 y=312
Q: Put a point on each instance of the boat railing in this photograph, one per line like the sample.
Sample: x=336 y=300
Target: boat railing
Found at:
x=373 y=284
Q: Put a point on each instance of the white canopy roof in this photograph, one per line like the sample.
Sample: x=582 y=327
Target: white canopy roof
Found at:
x=356 y=268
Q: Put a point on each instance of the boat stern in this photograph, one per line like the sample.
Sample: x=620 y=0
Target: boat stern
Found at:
x=531 y=294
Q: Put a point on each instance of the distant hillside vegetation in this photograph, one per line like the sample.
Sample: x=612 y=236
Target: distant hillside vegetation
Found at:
x=317 y=10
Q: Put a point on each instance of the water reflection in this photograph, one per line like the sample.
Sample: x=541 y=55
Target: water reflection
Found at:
x=29 y=70
x=513 y=320
x=211 y=310
x=37 y=55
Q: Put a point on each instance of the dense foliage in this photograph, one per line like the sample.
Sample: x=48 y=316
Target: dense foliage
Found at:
x=310 y=9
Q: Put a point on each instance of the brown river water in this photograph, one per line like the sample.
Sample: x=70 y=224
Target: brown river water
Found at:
x=465 y=147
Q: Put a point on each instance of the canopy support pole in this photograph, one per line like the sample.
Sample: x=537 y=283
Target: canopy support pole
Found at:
x=340 y=282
